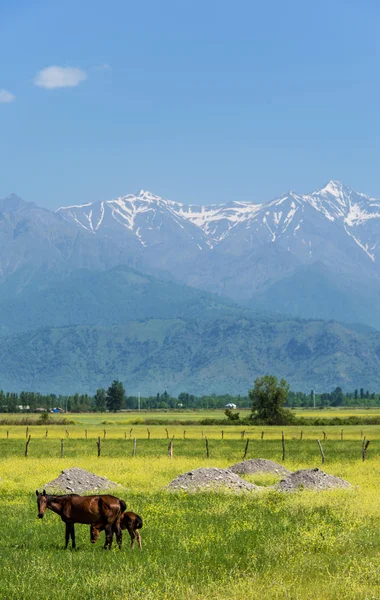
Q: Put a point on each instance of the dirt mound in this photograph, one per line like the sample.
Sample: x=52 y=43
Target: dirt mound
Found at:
x=311 y=479
x=78 y=481
x=259 y=465
x=210 y=478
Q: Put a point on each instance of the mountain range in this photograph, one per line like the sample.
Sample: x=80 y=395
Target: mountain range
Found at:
x=141 y=258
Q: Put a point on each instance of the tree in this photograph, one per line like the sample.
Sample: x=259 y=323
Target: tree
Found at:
x=337 y=397
x=231 y=415
x=268 y=397
x=115 y=396
x=100 y=400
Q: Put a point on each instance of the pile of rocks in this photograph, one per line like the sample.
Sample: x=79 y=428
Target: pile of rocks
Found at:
x=79 y=481
x=311 y=479
x=209 y=479
x=259 y=465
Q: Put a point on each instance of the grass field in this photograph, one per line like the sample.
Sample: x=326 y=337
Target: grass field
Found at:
x=204 y=546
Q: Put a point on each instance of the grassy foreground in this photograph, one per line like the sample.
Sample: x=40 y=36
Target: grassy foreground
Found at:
x=203 y=546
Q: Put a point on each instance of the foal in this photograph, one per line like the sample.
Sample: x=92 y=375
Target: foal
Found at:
x=104 y=510
x=129 y=521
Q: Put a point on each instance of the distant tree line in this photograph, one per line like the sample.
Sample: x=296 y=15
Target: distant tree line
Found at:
x=336 y=397
x=115 y=398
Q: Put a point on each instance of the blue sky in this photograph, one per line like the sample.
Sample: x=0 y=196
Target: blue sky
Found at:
x=198 y=101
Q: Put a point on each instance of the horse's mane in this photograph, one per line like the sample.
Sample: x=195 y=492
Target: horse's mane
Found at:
x=52 y=497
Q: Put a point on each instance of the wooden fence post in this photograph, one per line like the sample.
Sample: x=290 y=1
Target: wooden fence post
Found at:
x=130 y=433
x=148 y=430
x=207 y=450
x=170 y=449
x=184 y=434
x=324 y=435
x=321 y=451
x=27 y=432
x=262 y=435
x=222 y=434
x=85 y=433
x=27 y=446
x=62 y=448
x=7 y=434
x=46 y=433
x=167 y=433
x=365 y=445
x=361 y=434
x=242 y=434
x=301 y=435
x=104 y=434
x=67 y=433
x=98 y=445
x=246 y=449
x=283 y=445
x=134 y=447
x=341 y=434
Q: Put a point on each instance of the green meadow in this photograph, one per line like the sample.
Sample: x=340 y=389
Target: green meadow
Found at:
x=195 y=546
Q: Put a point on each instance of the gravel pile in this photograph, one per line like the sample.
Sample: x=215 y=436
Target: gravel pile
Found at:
x=78 y=481
x=259 y=465
x=311 y=479
x=210 y=478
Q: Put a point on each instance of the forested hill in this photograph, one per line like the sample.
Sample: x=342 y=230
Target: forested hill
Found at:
x=214 y=356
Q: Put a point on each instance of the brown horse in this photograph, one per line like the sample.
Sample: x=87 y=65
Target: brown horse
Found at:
x=104 y=510
x=129 y=521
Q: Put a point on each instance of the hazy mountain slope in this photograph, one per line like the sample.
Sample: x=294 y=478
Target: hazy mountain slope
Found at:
x=318 y=292
x=107 y=297
x=35 y=240
x=199 y=356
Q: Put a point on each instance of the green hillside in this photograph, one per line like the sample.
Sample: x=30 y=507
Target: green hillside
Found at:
x=222 y=355
x=103 y=298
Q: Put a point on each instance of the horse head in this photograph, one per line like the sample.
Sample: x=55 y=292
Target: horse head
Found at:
x=94 y=534
x=41 y=503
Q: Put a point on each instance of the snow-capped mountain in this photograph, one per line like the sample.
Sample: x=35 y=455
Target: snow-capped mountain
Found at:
x=266 y=253
x=312 y=255
x=304 y=225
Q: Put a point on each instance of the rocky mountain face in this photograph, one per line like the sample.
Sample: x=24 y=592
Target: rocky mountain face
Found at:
x=314 y=255
x=255 y=253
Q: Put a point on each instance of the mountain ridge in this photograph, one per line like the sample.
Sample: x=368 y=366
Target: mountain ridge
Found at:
x=245 y=251
x=200 y=357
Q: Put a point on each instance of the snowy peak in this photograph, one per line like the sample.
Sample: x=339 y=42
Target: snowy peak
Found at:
x=217 y=220
x=335 y=189
x=287 y=220
x=149 y=219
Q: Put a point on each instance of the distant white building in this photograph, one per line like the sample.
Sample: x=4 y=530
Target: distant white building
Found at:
x=231 y=405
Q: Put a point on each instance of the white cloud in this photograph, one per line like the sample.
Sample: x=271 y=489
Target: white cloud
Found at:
x=6 y=97
x=59 y=77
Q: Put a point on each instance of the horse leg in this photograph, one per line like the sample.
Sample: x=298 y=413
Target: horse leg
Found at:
x=131 y=535
x=109 y=535
x=138 y=538
x=119 y=535
x=67 y=534
x=72 y=531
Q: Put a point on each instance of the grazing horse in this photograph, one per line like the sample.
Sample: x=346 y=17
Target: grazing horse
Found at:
x=129 y=521
x=84 y=509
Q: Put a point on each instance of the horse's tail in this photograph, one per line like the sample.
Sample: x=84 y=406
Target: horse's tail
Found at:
x=138 y=522
x=123 y=506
